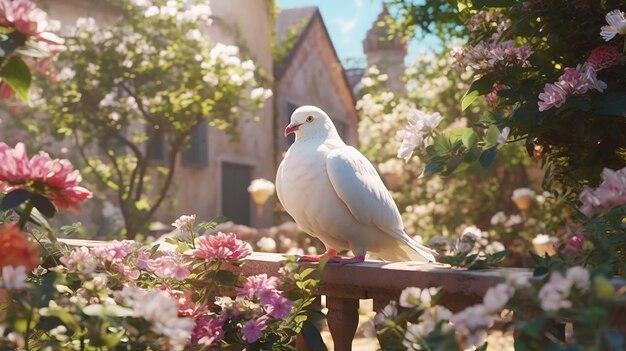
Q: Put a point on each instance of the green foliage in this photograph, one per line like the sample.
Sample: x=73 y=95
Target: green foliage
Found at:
x=575 y=141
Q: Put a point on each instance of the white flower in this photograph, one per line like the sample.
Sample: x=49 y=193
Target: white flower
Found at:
x=266 y=244
x=542 y=239
x=518 y=280
x=14 y=277
x=412 y=296
x=185 y=223
x=494 y=246
x=497 y=297
x=473 y=322
x=389 y=312
x=261 y=190
x=579 y=277
x=66 y=73
x=522 y=193
x=617 y=24
x=497 y=218
x=109 y=100
x=260 y=93
x=427 y=122
x=504 y=135
x=471 y=233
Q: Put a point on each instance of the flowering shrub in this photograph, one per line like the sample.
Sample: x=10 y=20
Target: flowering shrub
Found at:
x=549 y=71
x=575 y=294
x=126 y=295
x=25 y=35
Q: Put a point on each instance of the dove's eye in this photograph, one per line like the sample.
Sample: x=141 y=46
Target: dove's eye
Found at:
x=309 y=119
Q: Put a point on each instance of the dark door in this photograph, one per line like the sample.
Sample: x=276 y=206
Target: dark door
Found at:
x=235 y=197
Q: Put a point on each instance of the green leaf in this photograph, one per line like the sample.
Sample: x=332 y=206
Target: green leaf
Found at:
x=17 y=75
x=610 y=103
x=14 y=199
x=469 y=138
x=431 y=168
x=499 y=256
x=491 y=137
x=486 y=158
x=312 y=336
x=44 y=205
x=225 y=277
x=479 y=87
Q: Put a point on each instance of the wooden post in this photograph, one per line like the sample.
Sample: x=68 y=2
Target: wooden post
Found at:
x=343 y=319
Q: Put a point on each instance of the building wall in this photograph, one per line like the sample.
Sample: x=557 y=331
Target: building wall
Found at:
x=314 y=76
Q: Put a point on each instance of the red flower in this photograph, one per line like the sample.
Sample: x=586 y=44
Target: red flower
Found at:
x=16 y=250
x=605 y=56
x=6 y=92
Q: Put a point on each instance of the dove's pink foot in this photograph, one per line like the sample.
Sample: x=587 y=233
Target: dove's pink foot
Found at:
x=329 y=253
x=355 y=259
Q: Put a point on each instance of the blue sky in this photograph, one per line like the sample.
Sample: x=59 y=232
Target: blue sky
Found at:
x=347 y=22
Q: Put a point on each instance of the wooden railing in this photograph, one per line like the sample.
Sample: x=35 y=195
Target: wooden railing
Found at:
x=344 y=285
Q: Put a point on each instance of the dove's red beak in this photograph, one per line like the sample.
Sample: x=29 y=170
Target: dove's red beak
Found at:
x=291 y=128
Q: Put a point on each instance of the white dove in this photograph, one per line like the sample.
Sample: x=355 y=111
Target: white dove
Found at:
x=334 y=194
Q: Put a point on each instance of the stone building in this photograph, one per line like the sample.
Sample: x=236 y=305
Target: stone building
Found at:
x=214 y=173
x=311 y=74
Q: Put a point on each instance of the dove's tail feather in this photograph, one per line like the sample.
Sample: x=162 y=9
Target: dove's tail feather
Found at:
x=407 y=250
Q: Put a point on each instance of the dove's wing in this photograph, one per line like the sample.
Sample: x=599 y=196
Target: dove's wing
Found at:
x=359 y=186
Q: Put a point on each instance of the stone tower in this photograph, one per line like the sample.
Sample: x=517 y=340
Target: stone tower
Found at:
x=387 y=54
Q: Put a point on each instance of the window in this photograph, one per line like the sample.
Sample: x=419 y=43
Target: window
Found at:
x=235 y=197
x=157 y=154
x=195 y=153
x=291 y=138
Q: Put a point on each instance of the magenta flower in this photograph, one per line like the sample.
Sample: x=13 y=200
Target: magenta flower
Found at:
x=222 y=247
x=279 y=306
x=605 y=56
x=259 y=285
x=253 y=329
x=208 y=331
x=574 y=244
x=553 y=96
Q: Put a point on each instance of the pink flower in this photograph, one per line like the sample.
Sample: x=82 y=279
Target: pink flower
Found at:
x=24 y=16
x=208 y=331
x=553 y=96
x=617 y=24
x=279 y=307
x=609 y=194
x=253 y=329
x=186 y=306
x=605 y=56
x=6 y=92
x=492 y=97
x=115 y=251
x=577 y=81
x=259 y=285
x=222 y=247
x=61 y=179
x=169 y=265
x=14 y=164
x=142 y=260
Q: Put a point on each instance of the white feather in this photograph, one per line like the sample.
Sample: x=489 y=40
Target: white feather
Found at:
x=335 y=194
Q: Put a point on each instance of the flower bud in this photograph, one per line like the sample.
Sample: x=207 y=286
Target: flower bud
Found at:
x=603 y=287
